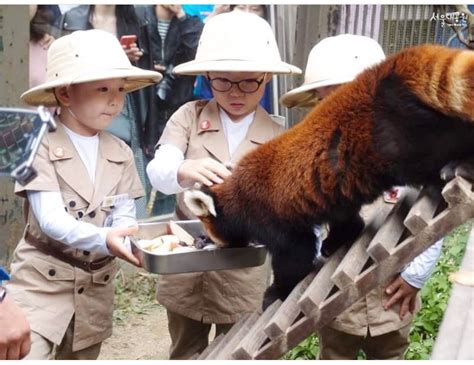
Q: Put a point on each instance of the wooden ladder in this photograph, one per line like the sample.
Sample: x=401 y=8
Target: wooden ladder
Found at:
x=393 y=237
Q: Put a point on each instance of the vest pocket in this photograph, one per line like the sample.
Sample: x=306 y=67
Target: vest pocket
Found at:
x=53 y=271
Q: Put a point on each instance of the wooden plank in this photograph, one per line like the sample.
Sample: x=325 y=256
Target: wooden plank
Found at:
x=322 y=284
x=220 y=344
x=454 y=340
x=423 y=210
x=256 y=337
x=211 y=347
x=466 y=349
x=392 y=229
x=232 y=339
x=281 y=345
x=357 y=256
x=457 y=191
x=289 y=310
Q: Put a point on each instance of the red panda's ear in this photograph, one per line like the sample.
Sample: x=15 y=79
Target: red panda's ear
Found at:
x=199 y=203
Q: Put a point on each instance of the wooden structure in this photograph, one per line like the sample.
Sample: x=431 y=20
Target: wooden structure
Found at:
x=392 y=238
x=455 y=334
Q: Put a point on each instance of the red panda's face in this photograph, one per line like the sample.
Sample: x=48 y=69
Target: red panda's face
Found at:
x=209 y=227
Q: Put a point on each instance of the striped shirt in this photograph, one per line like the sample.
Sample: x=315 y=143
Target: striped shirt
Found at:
x=163 y=26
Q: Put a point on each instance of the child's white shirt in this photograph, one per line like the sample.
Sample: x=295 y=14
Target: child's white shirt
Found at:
x=48 y=207
x=87 y=148
x=235 y=132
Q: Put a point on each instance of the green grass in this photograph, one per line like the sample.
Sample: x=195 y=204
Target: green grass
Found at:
x=134 y=293
x=434 y=296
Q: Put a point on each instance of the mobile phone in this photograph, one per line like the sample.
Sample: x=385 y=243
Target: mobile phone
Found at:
x=127 y=40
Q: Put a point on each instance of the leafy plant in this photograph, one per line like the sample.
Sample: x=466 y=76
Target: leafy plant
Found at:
x=306 y=350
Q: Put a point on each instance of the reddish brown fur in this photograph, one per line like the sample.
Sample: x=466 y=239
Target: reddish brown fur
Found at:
x=287 y=171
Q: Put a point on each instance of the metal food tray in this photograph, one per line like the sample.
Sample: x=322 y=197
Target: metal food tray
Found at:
x=195 y=261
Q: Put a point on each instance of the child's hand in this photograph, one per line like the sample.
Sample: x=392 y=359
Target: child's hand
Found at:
x=115 y=238
x=400 y=291
x=204 y=170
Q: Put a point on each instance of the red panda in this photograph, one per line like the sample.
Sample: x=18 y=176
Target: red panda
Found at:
x=398 y=123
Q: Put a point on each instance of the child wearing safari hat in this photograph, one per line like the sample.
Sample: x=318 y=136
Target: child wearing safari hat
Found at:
x=379 y=323
x=238 y=54
x=81 y=206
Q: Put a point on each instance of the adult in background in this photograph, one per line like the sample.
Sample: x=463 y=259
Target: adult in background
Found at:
x=41 y=18
x=174 y=37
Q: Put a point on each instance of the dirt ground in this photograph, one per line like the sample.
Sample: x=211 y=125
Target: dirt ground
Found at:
x=139 y=337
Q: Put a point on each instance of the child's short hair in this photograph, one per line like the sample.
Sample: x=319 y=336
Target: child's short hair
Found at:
x=85 y=56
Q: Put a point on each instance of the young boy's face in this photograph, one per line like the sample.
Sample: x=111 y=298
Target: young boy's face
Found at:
x=236 y=102
x=96 y=103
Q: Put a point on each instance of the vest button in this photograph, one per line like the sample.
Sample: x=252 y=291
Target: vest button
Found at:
x=80 y=214
x=80 y=291
x=52 y=272
x=72 y=203
x=92 y=214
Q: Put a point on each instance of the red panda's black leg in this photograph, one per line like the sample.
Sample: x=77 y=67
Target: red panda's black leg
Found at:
x=292 y=260
x=342 y=233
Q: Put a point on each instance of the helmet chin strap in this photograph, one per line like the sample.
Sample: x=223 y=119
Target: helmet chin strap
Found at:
x=72 y=113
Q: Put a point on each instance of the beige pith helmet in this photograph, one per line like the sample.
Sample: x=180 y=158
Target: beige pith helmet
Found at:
x=84 y=56
x=237 y=42
x=333 y=61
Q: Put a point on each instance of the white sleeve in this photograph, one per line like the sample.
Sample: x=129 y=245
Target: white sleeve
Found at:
x=163 y=169
x=420 y=269
x=124 y=215
x=55 y=222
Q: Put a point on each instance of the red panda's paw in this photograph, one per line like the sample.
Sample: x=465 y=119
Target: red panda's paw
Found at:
x=271 y=294
x=463 y=168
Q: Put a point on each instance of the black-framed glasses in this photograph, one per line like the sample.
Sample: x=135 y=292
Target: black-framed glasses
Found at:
x=247 y=86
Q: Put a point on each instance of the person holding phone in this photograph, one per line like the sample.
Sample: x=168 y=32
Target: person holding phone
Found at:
x=174 y=37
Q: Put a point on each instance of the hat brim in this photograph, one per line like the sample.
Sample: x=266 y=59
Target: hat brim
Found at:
x=135 y=79
x=201 y=67
x=303 y=95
